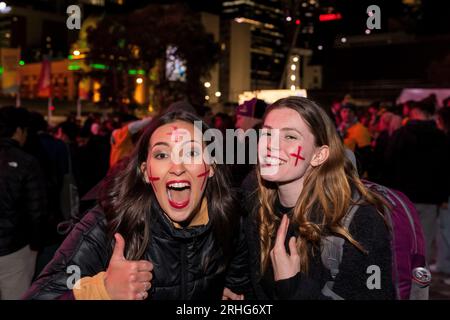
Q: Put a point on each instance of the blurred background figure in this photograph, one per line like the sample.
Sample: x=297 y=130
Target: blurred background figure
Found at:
x=443 y=237
x=249 y=114
x=356 y=137
x=222 y=122
x=336 y=112
x=22 y=205
x=53 y=157
x=122 y=142
x=388 y=123
x=417 y=163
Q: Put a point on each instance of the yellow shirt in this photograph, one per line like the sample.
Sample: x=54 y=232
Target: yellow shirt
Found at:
x=357 y=136
x=91 y=288
x=121 y=145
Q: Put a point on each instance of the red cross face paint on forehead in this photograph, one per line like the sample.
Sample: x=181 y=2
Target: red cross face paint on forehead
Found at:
x=178 y=185
x=178 y=134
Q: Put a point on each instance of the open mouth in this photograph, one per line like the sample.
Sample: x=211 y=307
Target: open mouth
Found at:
x=271 y=161
x=179 y=193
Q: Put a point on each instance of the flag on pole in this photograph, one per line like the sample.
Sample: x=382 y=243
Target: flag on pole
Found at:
x=45 y=81
x=44 y=88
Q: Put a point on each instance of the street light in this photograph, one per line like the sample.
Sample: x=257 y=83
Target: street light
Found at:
x=218 y=94
x=207 y=84
x=76 y=52
x=139 y=80
x=4 y=8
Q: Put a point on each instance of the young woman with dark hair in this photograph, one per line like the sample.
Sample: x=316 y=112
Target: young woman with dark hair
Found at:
x=165 y=227
x=306 y=188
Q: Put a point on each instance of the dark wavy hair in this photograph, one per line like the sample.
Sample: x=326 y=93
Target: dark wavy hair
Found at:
x=130 y=204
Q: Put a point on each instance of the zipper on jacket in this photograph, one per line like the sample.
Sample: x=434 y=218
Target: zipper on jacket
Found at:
x=184 y=271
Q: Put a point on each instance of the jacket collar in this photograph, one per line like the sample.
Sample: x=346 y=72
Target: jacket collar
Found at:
x=198 y=226
x=8 y=142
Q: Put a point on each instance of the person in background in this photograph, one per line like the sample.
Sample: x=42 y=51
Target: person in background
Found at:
x=356 y=137
x=353 y=132
x=207 y=115
x=53 y=157
x=389 y=122
x=417 y=164
x=249 y=114
x=22 y=205
x=222 y=122
x=248 y=117
x=406 y=110
x=443 y=236
x=122 y=139
x=336 y=112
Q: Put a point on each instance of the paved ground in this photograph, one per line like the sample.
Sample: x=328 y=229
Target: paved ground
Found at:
x=438 y=289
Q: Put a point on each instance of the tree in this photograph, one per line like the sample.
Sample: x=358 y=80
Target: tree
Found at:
x=139 y=41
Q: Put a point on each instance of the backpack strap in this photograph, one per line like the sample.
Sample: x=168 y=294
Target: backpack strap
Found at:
x=332 y=248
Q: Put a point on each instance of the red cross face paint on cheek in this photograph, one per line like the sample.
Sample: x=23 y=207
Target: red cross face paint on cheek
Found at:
x=203 y=176
x=297 y=155
x=152 y=178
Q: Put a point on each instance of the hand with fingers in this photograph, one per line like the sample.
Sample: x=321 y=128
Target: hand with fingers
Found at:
x=230 y=295
x=284 y=265
x=124 y=279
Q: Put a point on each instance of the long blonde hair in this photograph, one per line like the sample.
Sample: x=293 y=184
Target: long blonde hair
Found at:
x=326 y=194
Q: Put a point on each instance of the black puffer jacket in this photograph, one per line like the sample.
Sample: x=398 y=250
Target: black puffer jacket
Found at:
x=188 y=263
x=22 y=198
x=416 y=162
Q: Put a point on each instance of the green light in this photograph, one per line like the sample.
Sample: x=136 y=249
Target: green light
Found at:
x=21 y=62
x=74 y=67
x=134 y=72
x=99 y=66
x=70 y=56
x=1 y=70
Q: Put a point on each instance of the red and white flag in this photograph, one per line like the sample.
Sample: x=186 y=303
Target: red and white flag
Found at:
x=44 y=89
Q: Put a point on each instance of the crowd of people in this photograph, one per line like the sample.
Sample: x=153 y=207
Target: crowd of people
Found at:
x=143 y=226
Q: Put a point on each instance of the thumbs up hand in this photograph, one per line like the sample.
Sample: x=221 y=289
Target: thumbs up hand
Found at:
x=127 y=280
x=284 y=265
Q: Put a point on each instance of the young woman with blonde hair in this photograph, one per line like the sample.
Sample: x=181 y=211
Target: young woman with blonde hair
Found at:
x=306 y=190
